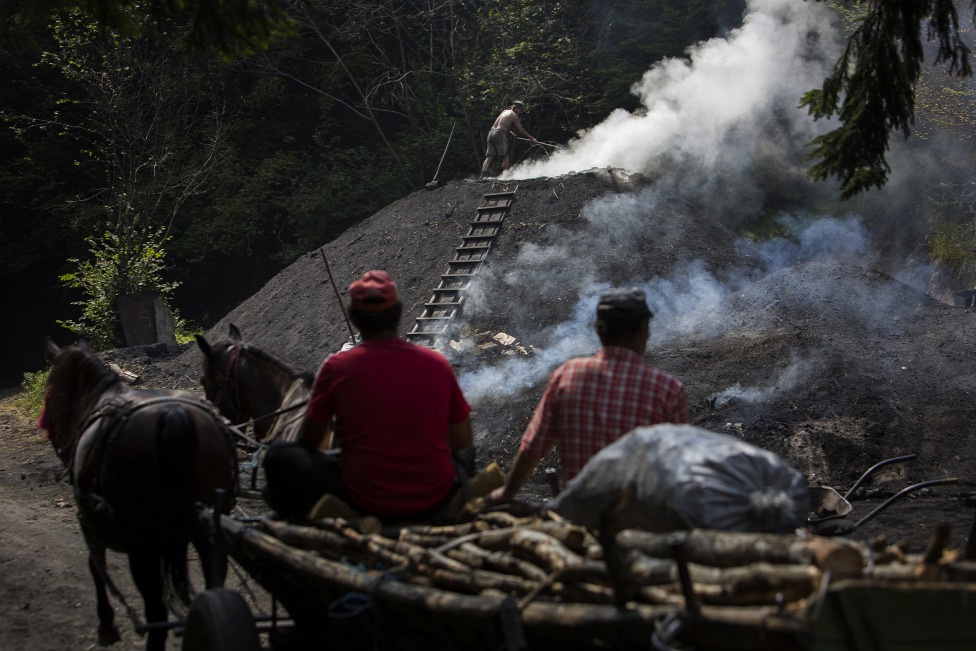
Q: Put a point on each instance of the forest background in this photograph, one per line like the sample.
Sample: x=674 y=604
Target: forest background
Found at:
x=199 y=173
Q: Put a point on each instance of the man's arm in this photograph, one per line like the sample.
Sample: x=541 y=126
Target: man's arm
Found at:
x=518 y=125
x=315 y=435
x=522 y=469
x=461 y=440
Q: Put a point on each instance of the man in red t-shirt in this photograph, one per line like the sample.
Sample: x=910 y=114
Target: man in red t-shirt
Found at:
x=400 y=415
x=592 y=401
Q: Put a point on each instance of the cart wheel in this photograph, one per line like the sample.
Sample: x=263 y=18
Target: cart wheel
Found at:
x=219 y=620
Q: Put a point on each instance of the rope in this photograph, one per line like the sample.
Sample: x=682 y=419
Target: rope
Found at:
x=272 y=414
x=353 y=604
x=349 y=605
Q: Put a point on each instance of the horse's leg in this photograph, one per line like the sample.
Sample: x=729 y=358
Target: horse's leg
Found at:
x=107 y=631
x=147 y=574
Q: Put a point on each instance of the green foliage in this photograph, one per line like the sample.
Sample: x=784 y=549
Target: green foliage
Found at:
x=952 y=239
x=231 y=27
x=37 y=169
x=119 y=266
x=263 y=160
x=30 y=401
x=951 y=247
x=186 y=331
x=537 y=51
x=872 y=87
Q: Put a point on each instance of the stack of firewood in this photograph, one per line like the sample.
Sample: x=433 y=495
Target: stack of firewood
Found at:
x=538 y=558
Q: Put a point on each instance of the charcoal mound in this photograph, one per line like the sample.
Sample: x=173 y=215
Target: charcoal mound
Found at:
x=829 y=363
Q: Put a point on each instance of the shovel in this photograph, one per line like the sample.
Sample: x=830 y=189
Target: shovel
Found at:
x=434 y=183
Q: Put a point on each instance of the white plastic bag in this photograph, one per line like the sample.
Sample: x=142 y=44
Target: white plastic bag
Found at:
x=683 y=477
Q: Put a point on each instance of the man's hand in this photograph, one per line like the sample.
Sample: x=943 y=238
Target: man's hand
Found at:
x=497 y=496
x=522 y=469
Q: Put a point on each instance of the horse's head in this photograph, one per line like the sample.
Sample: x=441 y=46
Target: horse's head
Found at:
x=76 y=381
x=220 y=379
x=246 y=382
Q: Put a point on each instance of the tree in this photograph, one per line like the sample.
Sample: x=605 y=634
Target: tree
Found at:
x=230 y=27
x=36 y=171
x=872 y=86
x=150 y=125
x=544 y=52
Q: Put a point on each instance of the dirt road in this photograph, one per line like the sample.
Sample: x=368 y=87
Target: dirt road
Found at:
x=47 y=598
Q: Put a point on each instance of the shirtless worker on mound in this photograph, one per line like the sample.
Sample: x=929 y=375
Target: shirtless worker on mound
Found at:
x=499 y=142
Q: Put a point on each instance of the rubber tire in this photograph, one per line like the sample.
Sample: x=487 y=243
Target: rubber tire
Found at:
x=220 y=620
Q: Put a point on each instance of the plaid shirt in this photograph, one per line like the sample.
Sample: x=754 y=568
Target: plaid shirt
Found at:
x=590 y=402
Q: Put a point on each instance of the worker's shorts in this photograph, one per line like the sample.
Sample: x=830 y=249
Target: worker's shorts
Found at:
x=498 y=143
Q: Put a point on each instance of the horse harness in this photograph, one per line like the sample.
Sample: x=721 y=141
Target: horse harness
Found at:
x=229 y=367
x=112 y=417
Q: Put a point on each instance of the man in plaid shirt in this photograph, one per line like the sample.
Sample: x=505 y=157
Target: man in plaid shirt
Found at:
x=590 y=402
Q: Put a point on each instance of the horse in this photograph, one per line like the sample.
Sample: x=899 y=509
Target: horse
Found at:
x=245 y=382
x=139 y=461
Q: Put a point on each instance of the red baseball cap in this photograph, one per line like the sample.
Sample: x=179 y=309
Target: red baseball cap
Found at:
x=374 y=291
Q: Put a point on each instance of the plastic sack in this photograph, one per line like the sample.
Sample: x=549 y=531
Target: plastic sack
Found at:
x=684 y=477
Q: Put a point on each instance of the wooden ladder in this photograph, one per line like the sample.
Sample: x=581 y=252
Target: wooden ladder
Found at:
x=447 y=298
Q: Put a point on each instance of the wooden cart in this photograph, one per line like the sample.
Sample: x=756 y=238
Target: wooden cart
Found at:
x=345 y=589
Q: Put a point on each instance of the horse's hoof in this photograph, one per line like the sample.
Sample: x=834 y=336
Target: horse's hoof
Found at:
x=108 y=635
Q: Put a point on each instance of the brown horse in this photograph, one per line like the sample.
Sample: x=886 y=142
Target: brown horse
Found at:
x=245 y=382
x=139 y=461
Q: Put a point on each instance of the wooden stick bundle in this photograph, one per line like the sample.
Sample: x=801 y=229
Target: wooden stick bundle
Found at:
x=533 y=558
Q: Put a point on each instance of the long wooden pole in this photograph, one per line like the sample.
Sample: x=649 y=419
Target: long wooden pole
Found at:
x=328 y=269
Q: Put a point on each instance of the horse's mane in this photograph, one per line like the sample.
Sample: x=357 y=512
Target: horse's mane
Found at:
x=75 y=383
x=271 y=358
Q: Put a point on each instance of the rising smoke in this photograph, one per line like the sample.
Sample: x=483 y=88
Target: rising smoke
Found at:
x=687 y=304
x=718 y=127
x=723 y=122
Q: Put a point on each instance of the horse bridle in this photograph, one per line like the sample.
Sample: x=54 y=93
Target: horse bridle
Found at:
x=229 y=369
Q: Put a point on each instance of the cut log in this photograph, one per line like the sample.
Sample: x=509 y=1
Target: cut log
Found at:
x=731 y=549
x=755 y=584
x=477 y=581
x=327 y=543
x=501 y=561
x=127 y=377
x=424 y=540
x=544 y=550
x=571 y=536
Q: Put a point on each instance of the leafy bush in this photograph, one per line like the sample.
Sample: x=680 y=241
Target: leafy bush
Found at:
x=119 y=266
x=31 y=399
x=186 y=331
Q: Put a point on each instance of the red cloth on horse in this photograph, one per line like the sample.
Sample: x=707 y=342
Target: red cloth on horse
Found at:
x=393 y=403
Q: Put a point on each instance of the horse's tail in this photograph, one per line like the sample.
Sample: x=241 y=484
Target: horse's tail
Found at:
x=177 y=449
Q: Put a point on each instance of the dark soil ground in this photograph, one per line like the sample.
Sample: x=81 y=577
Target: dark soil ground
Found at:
x=823 y=358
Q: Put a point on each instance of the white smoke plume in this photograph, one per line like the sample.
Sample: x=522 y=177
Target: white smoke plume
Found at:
x=731 y=103
x=721 y=128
